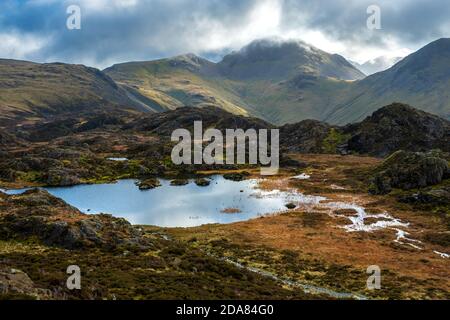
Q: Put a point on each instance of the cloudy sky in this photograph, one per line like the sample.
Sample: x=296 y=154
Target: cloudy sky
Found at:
x=115 y=31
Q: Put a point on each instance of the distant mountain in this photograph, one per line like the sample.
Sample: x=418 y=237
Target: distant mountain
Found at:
x=289 y=81
x=421 y=79
x=31 y=91
x=278 y=81
x=276 y=60
x=376 y=65
x=274 y=80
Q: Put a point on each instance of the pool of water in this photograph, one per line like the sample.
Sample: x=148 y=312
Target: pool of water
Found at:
x=179 y=206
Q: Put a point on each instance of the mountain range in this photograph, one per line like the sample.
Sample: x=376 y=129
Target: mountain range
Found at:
x=278 y=81
x=376 y=65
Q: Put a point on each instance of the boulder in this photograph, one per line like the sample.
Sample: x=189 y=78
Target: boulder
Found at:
x=202 y=182
x=440 y=196
x=16 y=283
x=179 y=182
x=237 y=176
x=61 y=177
x=409 y=170
x=149 y=184
x=37 y=214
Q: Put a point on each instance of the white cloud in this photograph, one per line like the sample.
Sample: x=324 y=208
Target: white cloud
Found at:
x=125 y=30
x=19 y=46
x=93 y=6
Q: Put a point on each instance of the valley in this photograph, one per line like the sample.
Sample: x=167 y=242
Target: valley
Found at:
x=338 y=210
x=87 y=178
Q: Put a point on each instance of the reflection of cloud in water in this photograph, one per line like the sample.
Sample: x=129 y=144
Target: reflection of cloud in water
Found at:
x=192 y=205
x=176 y=206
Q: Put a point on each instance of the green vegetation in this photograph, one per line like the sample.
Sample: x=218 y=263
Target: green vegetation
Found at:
x=334 y=139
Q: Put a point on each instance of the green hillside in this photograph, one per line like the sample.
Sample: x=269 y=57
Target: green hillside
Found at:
x=279 y=82
x=422 y=79
x=31 y=91
x=286 y=82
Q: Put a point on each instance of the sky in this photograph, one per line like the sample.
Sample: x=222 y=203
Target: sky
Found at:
x=114 y=31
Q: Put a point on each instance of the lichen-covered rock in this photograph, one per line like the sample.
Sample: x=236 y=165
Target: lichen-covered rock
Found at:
x=149 y=184
x=37 y=214
x=202 y=182
x=16 y=283
x=409 y=170
x=439 y=196
x=179 y=182
x=237 y=176
x=399 y=127
x=61 y=178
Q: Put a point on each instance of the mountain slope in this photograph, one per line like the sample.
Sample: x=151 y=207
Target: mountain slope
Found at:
x=421 y=79
x=32 y=91
x=277 y=81
x=177 y=82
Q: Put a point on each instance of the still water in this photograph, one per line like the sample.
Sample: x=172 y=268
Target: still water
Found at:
x=178 y=206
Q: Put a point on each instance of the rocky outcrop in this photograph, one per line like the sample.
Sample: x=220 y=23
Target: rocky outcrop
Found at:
x=17 y=284
x=179 y=182
x=438 y=196
x=37 y=214
x=410 y=170
x=165 y=123
x=399 y=127
x=392 y=128
x=304 y=137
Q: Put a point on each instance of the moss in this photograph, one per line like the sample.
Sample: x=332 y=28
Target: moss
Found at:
x=334 y=139
x=171 y=270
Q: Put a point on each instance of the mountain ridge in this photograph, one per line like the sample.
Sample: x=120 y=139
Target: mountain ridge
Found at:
x=31 y=90
x=421 y=79
x=276 y=81
x=279 y=82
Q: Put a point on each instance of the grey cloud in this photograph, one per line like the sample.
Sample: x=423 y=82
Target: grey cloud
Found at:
x=160 y=28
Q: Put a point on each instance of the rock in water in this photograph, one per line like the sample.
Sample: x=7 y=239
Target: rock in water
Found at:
x=149 y=184
x=179 y=182
x=202 y=182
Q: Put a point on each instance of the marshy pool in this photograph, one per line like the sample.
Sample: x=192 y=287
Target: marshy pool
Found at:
x=223 y=201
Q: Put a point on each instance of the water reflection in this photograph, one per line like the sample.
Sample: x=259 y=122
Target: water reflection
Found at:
x=170 y=206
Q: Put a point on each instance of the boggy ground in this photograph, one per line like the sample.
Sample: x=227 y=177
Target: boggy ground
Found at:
x=309 y=244
x=273 y=257
x=40 y=236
